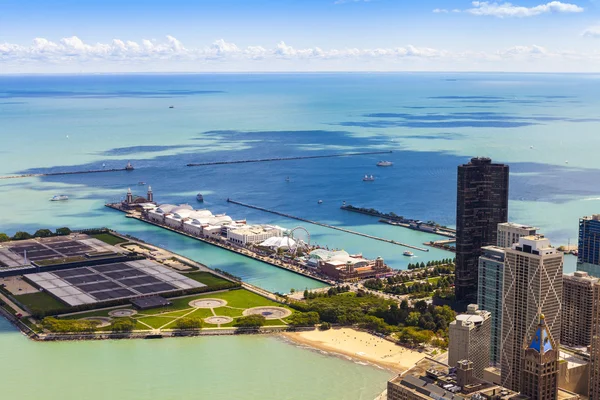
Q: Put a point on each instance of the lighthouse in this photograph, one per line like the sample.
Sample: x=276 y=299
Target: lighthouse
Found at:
x=150 y=196
x=129 y=199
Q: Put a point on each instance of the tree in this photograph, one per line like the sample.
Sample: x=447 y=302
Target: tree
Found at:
x=4 y=237
x=122 y=325
x=413 y=318
x=250 y=321
x=63 y=231
x=305 y=293
x=188 y=323
x=325 y=326
x=22 y=236
x=310 y=318
x=43 y=233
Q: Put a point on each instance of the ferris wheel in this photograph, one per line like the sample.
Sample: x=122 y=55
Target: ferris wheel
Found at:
x=297 y=239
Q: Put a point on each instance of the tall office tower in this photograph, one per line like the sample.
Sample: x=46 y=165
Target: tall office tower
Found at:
x=481 y=204
x=532 y=285
x=510 y=232
x=595 y=348
x=469 y=339
x=588 y=248
x=577 y=308
x=489 y=293
x=540 y=365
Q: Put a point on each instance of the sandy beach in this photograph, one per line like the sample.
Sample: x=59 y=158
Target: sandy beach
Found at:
x=360 y=346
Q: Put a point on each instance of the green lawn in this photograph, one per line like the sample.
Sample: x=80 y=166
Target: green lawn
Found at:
x=206 y=277
x=237 y=301
x=40 y=301
x=109 y=238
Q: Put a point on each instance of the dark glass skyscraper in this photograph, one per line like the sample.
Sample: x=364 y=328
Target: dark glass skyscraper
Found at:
x=588 y=249
x=482 y=203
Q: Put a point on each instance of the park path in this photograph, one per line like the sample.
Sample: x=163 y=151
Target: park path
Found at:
x=14 y=306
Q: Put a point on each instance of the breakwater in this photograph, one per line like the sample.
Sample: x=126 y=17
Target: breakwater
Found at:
x=366 y=153
x=224 y=246
x=327 y=226
x=91 y=171
x=398 y=220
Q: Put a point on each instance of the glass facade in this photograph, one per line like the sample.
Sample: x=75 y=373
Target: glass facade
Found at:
x=588 y=249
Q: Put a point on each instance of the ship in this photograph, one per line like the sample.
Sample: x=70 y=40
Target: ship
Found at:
x=129 y=167
x=59 y=197
x=408 y=253
x=385 y=164
x=369 y=178
x=199 y=197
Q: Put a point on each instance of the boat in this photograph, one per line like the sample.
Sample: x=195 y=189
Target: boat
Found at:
x=59 y=197
x=320 y=202
x=369 y=178
x=129 y=167
x=408 y=254
x=385 y=164
x=171 y=106
x=199 y=197
x=141 y=183
x=287 y=179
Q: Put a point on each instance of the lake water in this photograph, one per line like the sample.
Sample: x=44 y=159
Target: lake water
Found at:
x=544 y=126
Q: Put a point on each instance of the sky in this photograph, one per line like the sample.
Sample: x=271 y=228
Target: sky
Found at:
x=90 y=36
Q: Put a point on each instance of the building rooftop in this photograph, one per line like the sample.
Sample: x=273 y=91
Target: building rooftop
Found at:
x=515 y=225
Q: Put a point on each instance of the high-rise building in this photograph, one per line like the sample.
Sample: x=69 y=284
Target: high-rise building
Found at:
x=577 y=308
x=532 y=285
x=489 y=293
x=540 y=365
x=595 y=348
x=588 y=248
x=469 y=339
x=481 y=204
x=510 y=232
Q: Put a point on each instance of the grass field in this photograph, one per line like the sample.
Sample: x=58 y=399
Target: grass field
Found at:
x=109 y=238
x=206 y=277
x=39 y=301
x=237 y=301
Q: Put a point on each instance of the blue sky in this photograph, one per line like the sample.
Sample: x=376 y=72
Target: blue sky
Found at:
x=298 y=35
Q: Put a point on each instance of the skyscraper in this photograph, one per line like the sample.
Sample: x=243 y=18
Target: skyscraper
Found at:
x=510 y=232
x=532 y=285
x=469 y=338
x=540 y=365
x=489 y=293
x=482 y=203
x=588 y=248
x=577 y=309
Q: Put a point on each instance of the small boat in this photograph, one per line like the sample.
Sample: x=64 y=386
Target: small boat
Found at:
x=385 y=164
x=368 y=178
x=141 y=183
x=320 y=202
x=199 y=197
x=59 y=197
x=171 y=106
x=408 y=254
x=129 y=167
x=287 y=179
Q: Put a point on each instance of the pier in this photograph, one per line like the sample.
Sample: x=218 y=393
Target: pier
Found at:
x=129 y=167
x=327 y=226
x=287 y=158
x=224 y=246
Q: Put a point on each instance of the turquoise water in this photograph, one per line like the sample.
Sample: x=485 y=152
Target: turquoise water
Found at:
x=240 y=367
x=544 y=126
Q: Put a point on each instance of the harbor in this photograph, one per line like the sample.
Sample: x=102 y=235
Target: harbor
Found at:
x=327 y=226
x=366 y=153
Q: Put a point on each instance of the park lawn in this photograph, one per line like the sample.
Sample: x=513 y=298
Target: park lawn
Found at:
x=40 y=301
x=155 y=322
x=108 y=238
x=242 y=298
x=228 y=312
x=201 y=313
x=206 y=277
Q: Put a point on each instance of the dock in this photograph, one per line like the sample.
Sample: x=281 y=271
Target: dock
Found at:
x=224 y=246
x=337 y=228
x=129 y=167
x=366 y=153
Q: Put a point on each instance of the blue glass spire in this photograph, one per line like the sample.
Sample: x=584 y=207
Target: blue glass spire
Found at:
x=542 y=341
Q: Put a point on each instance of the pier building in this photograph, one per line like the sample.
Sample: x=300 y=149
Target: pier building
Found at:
x=341 y=266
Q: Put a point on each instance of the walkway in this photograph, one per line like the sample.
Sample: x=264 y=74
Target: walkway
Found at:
x=12 y=305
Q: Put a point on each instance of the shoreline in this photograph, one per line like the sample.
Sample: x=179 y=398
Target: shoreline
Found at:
x=357 y=346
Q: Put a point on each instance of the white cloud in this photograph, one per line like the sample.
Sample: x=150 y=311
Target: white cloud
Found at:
x=592 y=31
x=506 y=10
x=73 y=53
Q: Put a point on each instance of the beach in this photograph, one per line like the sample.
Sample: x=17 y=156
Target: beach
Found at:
x=359 y=345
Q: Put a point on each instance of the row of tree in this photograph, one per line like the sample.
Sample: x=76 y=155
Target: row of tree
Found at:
x=445 y=261
x=334 y=290
x=40 y=233
x=57 y=325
